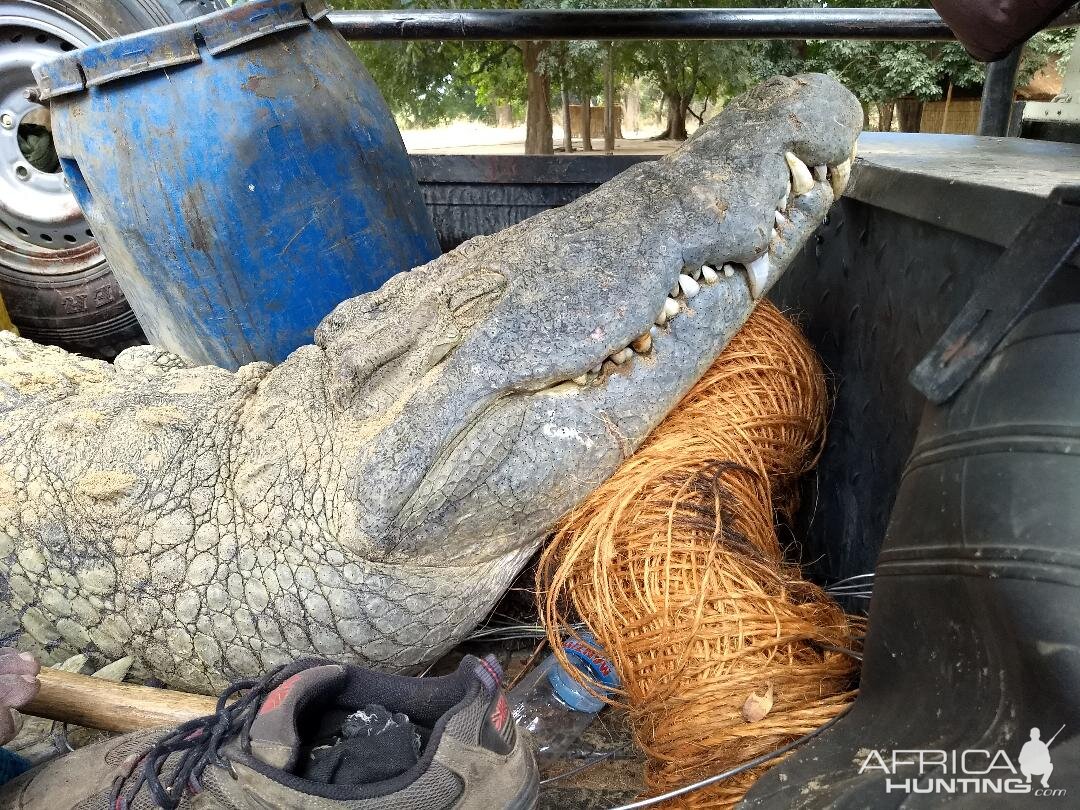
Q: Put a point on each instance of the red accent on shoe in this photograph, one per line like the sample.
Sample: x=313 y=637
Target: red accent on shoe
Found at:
x=501 y=713
x=277 y=697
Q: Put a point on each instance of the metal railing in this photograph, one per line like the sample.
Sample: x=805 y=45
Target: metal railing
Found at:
x=612 y=24
x=681 y=23
x=685 y=23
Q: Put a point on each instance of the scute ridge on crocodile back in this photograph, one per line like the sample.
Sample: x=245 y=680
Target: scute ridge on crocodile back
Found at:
x=371 y=497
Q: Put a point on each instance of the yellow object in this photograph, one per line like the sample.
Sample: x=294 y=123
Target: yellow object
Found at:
x=5 y=319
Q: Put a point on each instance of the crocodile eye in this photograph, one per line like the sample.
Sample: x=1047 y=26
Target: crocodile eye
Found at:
x=470 y=297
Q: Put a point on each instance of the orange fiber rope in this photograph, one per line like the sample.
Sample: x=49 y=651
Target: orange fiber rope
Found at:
x=675 y=565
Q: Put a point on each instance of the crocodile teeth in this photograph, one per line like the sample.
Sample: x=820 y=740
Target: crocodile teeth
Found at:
x=783 y=204
x=821 y=173
x=708 y=275
x=642 y=343
x=729 y=271
x=780 y=219
x=757 y=275
x=841 y=173
x=801 y=179
x=689 y=287
x=621 y=356
x=671 y=307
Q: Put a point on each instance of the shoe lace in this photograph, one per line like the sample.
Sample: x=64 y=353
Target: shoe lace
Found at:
x=200 y=740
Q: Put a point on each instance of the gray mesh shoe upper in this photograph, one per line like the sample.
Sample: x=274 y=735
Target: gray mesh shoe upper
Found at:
x=256 y=752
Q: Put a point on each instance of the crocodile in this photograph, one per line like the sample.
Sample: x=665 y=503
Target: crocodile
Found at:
x=371 y=497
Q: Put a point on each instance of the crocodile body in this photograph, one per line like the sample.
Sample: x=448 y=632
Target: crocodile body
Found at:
x=371 y=497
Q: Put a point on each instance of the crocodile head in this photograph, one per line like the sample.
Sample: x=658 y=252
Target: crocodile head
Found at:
x=375 y=494
x=492 y=389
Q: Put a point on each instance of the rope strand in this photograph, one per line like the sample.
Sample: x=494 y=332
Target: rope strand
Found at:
x=675 y=565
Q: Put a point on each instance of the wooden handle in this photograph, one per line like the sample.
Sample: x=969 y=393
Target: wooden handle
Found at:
x=112 y=706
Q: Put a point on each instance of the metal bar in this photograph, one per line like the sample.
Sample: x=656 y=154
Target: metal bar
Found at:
x=1067 y=20
x=623 y=24
x=998 y=92
x=1042 y=249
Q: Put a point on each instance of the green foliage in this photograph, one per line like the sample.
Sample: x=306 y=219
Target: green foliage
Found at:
x=427 y=83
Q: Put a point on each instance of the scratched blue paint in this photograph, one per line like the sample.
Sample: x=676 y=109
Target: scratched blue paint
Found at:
x=238 y=195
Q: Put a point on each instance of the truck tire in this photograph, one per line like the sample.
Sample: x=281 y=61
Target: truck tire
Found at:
x=53 y=277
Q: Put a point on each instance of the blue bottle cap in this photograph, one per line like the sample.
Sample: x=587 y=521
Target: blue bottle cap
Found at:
x=586 y=658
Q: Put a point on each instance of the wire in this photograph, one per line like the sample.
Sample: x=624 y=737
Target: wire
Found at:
x=842 y=650
x=514 y=632
x=596 y=760
x=751 y=763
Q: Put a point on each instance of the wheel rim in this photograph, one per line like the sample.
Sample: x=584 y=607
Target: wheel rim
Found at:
x=42 y=229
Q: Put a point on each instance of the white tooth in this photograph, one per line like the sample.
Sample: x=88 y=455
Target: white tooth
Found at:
x=801 y=179
x=689 y=287
x=621 y=356
x=729 y=271
x=821 y=173
x=582 y=380
x=709 y=275
x=841 y=173
x=671 y=307
x=776 y=234
x=780 y=219
x=783 y=204
x=642 y=343
x=757 y=275
x=661 y=319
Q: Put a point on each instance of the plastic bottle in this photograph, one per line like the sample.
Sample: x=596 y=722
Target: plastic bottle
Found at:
x=553 y=707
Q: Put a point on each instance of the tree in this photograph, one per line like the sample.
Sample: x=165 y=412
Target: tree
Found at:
x=686 y=71
x=898 y=77
x=430 y=82
x=575 y=66
x=538 y=114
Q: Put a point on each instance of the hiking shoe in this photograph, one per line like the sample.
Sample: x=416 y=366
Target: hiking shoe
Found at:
x=312 y=734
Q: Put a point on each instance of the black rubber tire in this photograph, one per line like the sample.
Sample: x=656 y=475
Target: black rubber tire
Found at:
x=68 y=297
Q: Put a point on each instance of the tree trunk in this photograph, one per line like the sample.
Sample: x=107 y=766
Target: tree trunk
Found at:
x=586 y=123
x=504 y=116
x=676 y=116
x=609 y=99
x=567 y=129
x=910 y=111
x=632 y=107
x=948 y=103
x=885 y=115
x=538 y=140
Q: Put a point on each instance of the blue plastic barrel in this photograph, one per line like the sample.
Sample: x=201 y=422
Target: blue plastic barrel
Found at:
x=242 y=174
